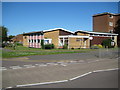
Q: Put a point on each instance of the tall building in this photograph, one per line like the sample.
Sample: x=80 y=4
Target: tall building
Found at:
x=105 y=22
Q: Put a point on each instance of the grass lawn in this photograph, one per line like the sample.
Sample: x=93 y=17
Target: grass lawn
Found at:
x=25 y=51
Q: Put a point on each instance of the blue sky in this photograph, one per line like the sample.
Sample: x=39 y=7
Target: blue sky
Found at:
x=21 y=17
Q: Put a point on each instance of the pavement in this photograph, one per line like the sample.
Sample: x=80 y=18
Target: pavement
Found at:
x=50 y=68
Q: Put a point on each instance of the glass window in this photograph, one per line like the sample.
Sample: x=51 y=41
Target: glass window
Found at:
x=38 y=40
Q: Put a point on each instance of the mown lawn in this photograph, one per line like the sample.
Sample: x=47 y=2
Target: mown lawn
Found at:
x=25 y=51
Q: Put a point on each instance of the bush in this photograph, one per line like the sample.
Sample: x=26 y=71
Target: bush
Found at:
x=72 y=48
x=49 y=46
x=18 y=44
x=100 y=46
x=94 y=47
x=42 y=44
x=3 y=45
x=65 y=46
x=107 y=43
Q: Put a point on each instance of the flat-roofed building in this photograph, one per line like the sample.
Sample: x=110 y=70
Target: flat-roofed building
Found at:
x=105 y=22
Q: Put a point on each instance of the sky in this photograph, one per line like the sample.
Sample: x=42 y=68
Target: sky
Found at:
x=25 y=17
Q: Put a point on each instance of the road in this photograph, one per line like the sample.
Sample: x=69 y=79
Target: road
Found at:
x=27 y=71
x=107 y=79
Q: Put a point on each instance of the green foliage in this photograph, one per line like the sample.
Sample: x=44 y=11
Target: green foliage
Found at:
x=107 y=43
x=117 y=27
x=18 y=44
x=117 y=31
x=10 y=37
x=42 y=44
x=96 y=46
x=49 y=46
x=3 y=33
x=65 y=46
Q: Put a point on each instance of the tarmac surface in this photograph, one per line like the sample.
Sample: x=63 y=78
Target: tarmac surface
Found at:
x=105 y=79
x=49 y=68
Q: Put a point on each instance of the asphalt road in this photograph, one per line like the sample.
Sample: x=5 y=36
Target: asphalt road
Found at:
x=28 y=74
x=106 y=79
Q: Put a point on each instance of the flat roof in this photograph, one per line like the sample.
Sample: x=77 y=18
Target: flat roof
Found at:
x=106 y=13
x=90 y=32
x=75 y=36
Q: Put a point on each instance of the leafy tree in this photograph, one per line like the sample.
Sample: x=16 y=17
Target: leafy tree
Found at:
x=117 y=31
x=10 y=37
x=3 y=33
x=107 y=43
x=42 y=44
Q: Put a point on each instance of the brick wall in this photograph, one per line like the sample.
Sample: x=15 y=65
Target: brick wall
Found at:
x=98 y=39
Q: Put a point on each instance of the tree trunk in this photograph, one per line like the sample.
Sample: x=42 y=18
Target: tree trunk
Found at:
x=118 y=41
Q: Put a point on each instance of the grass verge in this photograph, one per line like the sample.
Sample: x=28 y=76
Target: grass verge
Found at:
x=24 y=51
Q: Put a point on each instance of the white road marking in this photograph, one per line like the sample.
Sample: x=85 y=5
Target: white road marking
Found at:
x=52 y=64
x=15 y=67
x=106 y=70
x=63 y=64
x=41 y=83
x=40 y=65
x=80 y=76
x=3 y=68
x=64 y=80
x=9 y=87
x=28 y=66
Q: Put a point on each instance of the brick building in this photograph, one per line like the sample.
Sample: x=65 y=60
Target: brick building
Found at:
x=18 y=38
x=105 y=22
x=103 y=25
x=58 y=37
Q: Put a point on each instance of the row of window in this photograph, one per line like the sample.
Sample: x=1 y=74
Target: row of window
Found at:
x=35 y=41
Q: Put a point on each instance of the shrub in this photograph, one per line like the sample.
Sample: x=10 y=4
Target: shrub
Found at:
x=72 y=48
x=3 y=45
x=94 y=47
x=18 y=44
x=65 y=46
x=100 y=46
x=42 y=44
x=107 y=43
x=49 y=46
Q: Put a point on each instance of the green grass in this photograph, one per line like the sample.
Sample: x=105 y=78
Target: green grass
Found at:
x=25 y=51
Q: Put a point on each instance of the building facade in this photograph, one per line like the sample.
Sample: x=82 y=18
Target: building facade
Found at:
x=105 y=22
x=103 y=25
x=59 y=37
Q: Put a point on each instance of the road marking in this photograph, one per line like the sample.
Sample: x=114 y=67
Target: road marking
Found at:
x=40 y=65
x=41 y=83
x=15 y=67
x=80 y=76
x=63 y=64
x=63 y=80
x=106 y=70
x=51 y=63
x=3 y=68
x=28 y=66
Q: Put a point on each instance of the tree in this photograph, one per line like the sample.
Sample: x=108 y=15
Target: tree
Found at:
x=10 y=37
x=3 y=33
x=117 y=31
